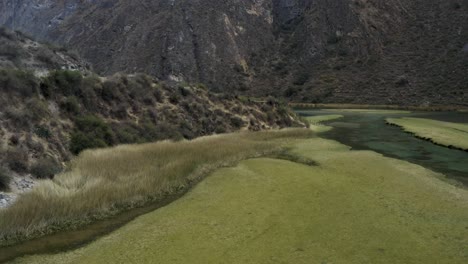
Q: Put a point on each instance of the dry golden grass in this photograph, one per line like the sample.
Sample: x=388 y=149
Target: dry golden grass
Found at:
x=104 y=182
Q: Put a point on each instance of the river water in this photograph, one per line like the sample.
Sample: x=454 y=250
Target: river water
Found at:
x=369 y=131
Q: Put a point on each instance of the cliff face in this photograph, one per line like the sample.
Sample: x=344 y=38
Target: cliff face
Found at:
x=354 y=51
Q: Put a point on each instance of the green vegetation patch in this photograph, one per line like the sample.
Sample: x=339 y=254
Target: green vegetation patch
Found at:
x=104 y=182
x=372 y=111
x=355 y=207
x=23 y=83
x=315 y=122
x=442 y=133
x=91 y=132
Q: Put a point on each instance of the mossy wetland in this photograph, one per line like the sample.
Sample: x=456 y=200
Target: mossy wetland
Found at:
x=452 y=135
x=305 y=199
x=352 y=207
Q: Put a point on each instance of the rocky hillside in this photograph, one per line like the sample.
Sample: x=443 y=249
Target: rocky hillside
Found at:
x=18 y=51
x=409 y=52
x=47 y=116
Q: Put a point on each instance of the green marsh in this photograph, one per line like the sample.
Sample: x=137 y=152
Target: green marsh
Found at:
x=439 y=132
x=353 y=207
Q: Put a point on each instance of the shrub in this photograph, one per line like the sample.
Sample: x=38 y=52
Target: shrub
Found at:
x=45 y=88
x=290 y=91
x=158 y=94
x=19 y=117
x=81 y=141
x=14 y=139
x=37 y=109
x=202 y=86
x=42 y=132
x=71 y=105
x=185 y=91
x=139 y=86
x=48 y=57
x=17 y=160
x=22 y=82
x=5 y=179
x=66 y=82
x=128 y=133
x=91 y=132
x=110 y=91
x=186 y=129
x=174 y=98
x=120 y=112
x=301 y=78
x=34 y=146
x=88 y=94
x=45 y=168
x=237 y=122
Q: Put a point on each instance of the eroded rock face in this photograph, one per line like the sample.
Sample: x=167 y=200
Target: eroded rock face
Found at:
x=287 y=10
x=308 y=50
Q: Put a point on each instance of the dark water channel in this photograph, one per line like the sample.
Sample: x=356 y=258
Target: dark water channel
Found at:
x=369 y=131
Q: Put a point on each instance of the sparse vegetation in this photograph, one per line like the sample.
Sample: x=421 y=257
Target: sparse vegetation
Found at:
x=71 y=105
x=17 y=160
x=45 y=168
x=48 y=57
x=20 y=82
x=54 y=107
x=5 y=179
x=65 y=82
x=104 y=182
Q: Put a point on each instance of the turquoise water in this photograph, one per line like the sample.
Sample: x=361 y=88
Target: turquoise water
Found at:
x=368 y=131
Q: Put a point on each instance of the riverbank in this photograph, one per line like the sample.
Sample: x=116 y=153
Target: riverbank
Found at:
x=351 y=207
x=103 y=183
x=447 y=134
x=316 y=122
x=308 y=106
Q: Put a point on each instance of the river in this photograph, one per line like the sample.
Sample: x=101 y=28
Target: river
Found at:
x=369 y=131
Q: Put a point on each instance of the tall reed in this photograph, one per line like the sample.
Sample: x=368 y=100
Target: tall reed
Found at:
x=101 y=183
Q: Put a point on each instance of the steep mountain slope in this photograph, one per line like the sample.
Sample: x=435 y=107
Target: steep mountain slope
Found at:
x=17 y=51
x=348 y=51
x=49 y=112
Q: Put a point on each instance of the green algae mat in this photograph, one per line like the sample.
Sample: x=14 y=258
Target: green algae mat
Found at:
x=439 y=132
x=353 y=207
